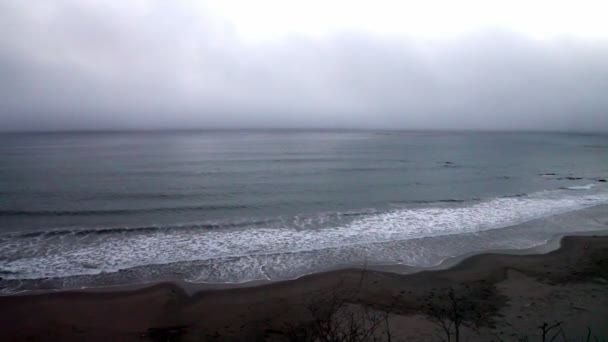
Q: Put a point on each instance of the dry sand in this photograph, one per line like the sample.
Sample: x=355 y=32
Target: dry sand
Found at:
x=508 y=296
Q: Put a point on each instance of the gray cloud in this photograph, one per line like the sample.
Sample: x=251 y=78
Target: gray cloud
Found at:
x=74 y=65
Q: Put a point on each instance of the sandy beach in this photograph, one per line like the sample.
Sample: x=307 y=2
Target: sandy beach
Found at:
x=503 y=298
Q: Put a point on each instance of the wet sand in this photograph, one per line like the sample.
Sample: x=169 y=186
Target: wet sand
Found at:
x=512 y=295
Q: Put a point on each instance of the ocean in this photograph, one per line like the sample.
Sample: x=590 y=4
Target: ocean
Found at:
x=83 y=209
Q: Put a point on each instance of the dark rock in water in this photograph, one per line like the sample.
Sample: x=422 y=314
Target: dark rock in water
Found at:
x=449 y=164
x=570 y=178
x=517 y=195
x=601 y=180
x=546 y=174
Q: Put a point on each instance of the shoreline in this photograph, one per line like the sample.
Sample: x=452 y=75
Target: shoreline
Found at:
x=171 y=260
x=551 y=245
x=245 y=311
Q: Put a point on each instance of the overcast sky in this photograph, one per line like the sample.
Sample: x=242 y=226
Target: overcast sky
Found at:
x=94 y=64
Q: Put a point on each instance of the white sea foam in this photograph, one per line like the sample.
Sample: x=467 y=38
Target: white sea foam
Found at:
x=581 y=187
x=244 y=254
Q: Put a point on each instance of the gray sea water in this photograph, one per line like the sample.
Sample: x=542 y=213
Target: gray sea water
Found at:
x=84 y=209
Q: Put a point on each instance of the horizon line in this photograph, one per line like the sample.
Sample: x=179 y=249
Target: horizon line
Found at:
x=303 y=129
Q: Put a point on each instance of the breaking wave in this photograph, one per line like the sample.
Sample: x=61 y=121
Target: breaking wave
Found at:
x=244 y=244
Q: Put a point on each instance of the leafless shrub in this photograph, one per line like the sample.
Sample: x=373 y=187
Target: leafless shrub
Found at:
x=555 y=332
x=337 y=316
x=456 y=307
